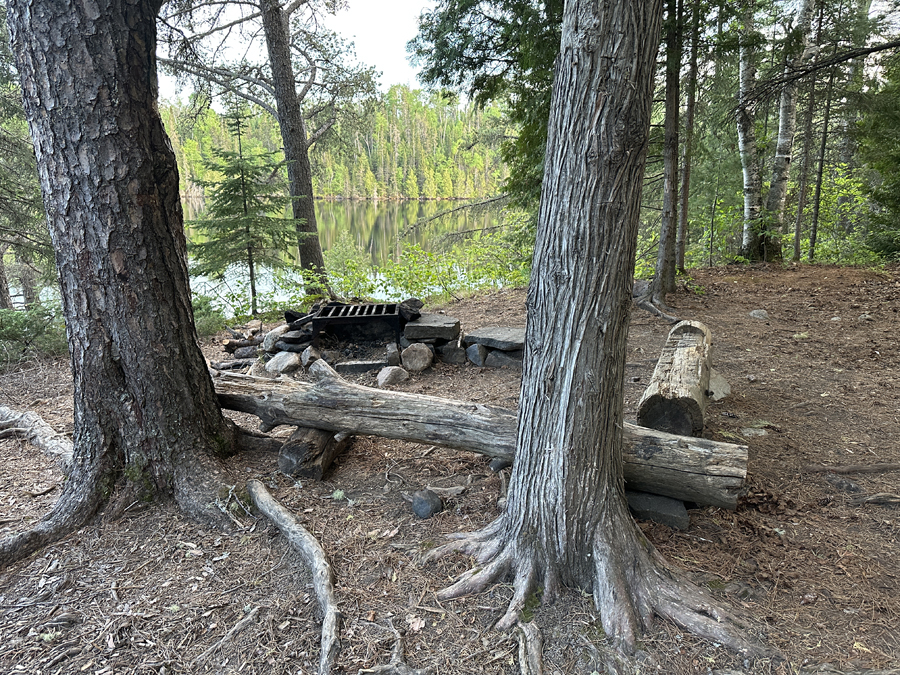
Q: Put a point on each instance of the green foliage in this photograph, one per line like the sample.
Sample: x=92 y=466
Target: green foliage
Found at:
x=208 y=318
x=879 y=137
x=38 y=331
x=238 y=231
x=498 y=50
x=350 y=270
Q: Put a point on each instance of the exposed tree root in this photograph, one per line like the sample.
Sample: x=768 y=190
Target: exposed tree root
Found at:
x=37 y=432
x=397 y=665
x=531 y=649
x=659 y=309
x=78 y=502
x=631 y=584
x=315 y=558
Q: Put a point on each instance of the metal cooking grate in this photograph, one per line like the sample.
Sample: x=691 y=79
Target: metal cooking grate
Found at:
x=339 y=316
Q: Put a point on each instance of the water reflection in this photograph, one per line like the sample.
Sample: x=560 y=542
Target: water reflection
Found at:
x=380 y=227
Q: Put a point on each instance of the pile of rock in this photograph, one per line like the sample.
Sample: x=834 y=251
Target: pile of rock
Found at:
x=496 y=347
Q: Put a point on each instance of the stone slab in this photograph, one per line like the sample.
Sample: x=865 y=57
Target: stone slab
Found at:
x=432 y=326
x=477 y=354
x=498 y=359
x=659 y=509
x=357 y=367
x=504 y=339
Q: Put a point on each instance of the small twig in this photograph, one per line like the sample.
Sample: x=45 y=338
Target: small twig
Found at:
x=238 y=627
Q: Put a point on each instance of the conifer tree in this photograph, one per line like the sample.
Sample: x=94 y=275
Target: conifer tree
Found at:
x=239 y=229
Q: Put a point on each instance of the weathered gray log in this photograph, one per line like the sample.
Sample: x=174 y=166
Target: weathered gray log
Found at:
x=675 y=401
x=309 y=452
x=690 y=469
x=234 y=364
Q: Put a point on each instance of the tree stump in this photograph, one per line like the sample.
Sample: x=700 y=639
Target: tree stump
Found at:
x=309 y=452
x=677 y=397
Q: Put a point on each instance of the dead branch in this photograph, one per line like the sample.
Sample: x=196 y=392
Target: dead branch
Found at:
x=37 y=432
x=853 y=468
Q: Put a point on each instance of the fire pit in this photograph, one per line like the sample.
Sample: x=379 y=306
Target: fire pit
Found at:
x=364 y=322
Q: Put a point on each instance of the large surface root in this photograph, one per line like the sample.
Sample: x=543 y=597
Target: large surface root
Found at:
x=631 y=585
x=41 y=435
x=314 y=555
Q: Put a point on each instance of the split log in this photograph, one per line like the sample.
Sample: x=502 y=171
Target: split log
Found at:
x=690 y=469
x=676 y=399
x=309 y=452
x=231 y=346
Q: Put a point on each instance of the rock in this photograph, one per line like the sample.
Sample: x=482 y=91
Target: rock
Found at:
x=760 y=314
x=246 y=352
x=309 y=355
x=498 y=359
x=505 y=339
x=258 y=369
x=477 y=354
x=841 y=483
x=330 y=356
x=416 y=358
x=865 y=317
x=499 y=463
x=268 y=344
x=284 y=362
x=835 y=318
x=750 y=432
x=410 y=309
x=453 y=355
x=393 y=354
x=659 y=509
x=391 y=375
x=432 y=326
x=282 y=346
x=296 y=336
x=640 y=288
x=357 y=367
x=718 y=385
x=426 y=503
x=404 y=343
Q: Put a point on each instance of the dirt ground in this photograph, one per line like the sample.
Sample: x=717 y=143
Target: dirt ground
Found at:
x=805 y=557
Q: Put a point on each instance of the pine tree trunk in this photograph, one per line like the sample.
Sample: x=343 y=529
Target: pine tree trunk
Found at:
x=689 y=111
x=820 y=171
x=750 y=240
x=294 y=138
x=803 y=186
x=664 y=278
x=146 y=417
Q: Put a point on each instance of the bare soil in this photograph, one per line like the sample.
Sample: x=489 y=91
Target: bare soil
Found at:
x=805 y=558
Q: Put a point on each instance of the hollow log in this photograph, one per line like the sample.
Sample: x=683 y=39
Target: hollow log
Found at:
x=675 y=401
x=691 y=469
x=309 y=452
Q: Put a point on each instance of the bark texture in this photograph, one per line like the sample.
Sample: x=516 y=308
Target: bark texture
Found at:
x=5 y=299
x=566 y=521
x=146 y=415
x=293 y=136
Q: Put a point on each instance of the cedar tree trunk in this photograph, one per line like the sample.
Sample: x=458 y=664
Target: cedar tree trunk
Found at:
x=294 y=138
x=147 y=421
x=566 y=520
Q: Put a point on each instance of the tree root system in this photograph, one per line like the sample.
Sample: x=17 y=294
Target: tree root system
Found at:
x=323 y=578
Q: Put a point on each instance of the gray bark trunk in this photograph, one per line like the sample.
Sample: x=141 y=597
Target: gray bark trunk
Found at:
x=787 y=117
x=690 y=107
x=5 y=298
x=294 y=137
x=750 y=239
x=664 y=281
x=143 y=410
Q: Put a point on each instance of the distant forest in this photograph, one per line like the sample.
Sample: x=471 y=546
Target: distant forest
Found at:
x=407 y=144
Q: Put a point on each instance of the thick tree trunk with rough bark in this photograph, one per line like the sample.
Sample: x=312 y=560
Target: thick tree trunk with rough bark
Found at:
x=689 y=112
x=147 y=421
x=566 y=520
x=293 y=136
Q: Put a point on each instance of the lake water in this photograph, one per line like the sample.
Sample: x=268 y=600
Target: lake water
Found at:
x=381 y=227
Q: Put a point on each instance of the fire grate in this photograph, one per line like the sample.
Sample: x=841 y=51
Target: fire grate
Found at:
x=360 y=322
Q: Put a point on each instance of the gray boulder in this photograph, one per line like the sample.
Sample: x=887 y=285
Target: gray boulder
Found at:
x=391 y=375
x=428 y=326
x=284 y=362
x=505 y=339
x=426 y=503
x=477 y=354
x=417 y=357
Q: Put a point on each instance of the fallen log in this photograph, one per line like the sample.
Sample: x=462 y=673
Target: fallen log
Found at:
x=231 y=346
x=309 y=452
x=691 y=469
x=675 y=401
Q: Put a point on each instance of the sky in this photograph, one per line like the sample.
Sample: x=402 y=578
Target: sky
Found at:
x=380 y=31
